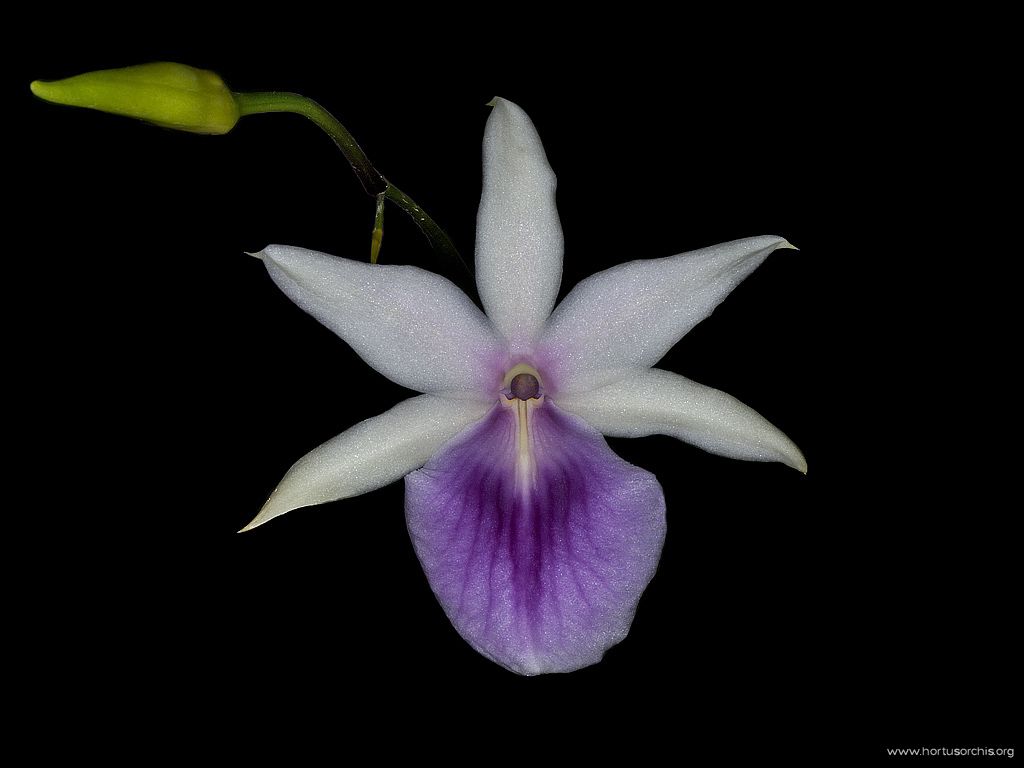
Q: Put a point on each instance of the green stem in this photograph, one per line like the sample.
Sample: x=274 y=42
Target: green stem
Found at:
x=373 y=181
x=263 y=102
x=437 y=237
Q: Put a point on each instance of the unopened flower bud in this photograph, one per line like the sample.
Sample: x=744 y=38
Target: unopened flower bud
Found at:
x=166 y=94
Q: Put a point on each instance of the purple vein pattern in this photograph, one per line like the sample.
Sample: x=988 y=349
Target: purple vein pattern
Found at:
x=539 y=571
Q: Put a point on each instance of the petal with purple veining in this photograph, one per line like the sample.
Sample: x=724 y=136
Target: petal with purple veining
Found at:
x=538 y=548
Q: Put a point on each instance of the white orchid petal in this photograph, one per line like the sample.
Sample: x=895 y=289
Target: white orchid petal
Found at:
x=371 y=454
x=656 y=402
x=413 y=326
x=629 y=316
x=518 y=234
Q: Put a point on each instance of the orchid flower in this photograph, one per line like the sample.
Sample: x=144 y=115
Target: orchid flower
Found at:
x=536 y=538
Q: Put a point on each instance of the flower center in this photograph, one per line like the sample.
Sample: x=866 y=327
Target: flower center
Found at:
x=523 y=392
x=525 y=386
x=523 y=382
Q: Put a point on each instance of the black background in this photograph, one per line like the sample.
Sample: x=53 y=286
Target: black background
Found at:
x=169 y=386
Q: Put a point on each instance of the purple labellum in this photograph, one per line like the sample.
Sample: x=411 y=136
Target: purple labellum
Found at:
x=539 y=556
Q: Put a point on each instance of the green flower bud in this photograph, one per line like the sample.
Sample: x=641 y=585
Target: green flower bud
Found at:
x=166 y=94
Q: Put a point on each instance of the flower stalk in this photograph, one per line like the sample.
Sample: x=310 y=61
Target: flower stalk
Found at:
x=373 y=181
x=185 y=98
